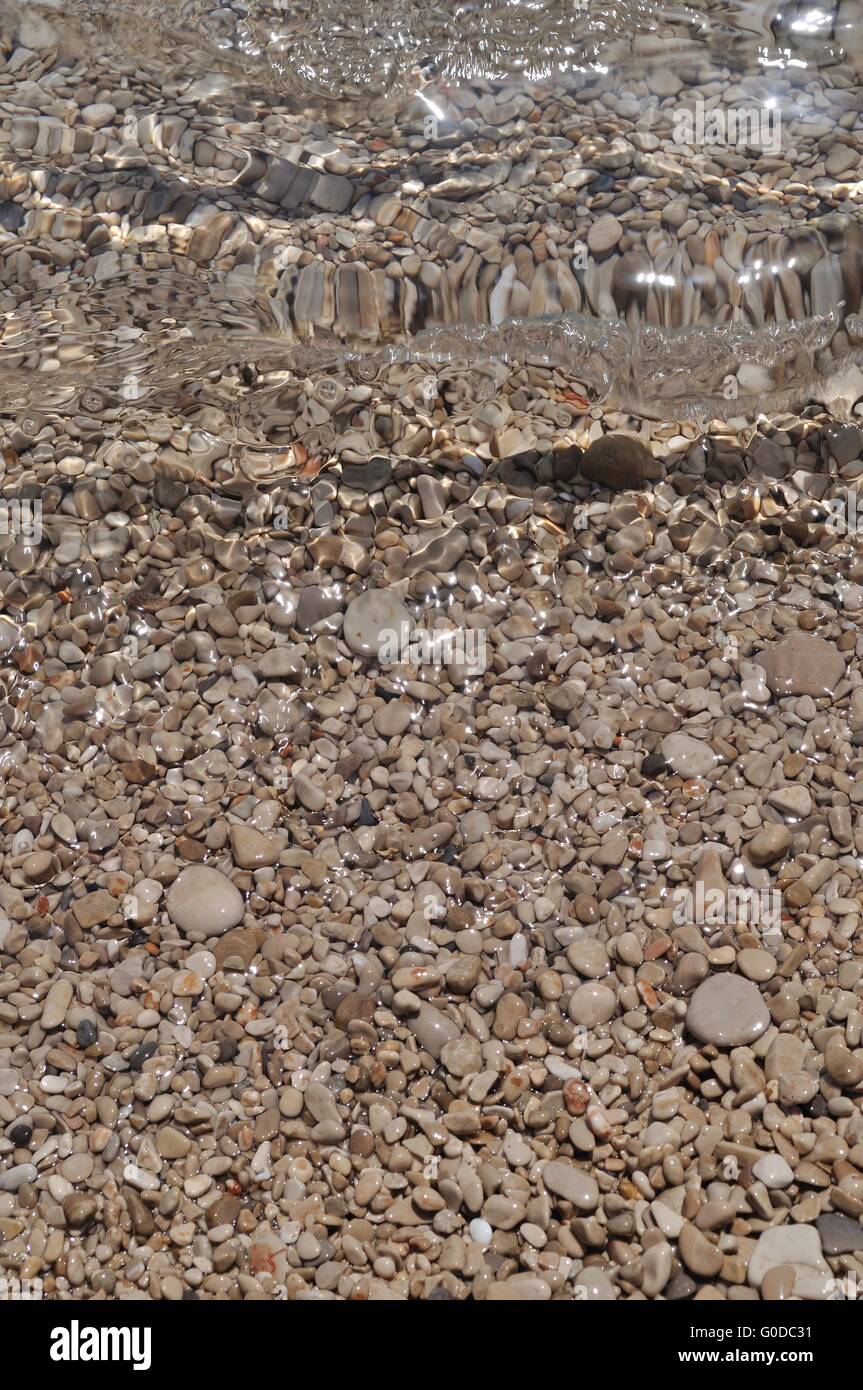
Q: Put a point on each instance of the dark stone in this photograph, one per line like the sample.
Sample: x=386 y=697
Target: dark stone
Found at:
x=367 y=815
x=653 y=765
x=840 y=1235
x=87 y=1033
x=227 y=1049
x=368 y=477
x=565 y=463
x=11 y=216
x=141 y=1054
x=21 y=1136
x=352 y=1006
x=619 y=461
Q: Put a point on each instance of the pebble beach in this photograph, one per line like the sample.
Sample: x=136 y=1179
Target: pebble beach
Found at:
x=430 y=673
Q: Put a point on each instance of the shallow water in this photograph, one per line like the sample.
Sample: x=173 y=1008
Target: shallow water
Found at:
x=297 y=225
x=472 y=713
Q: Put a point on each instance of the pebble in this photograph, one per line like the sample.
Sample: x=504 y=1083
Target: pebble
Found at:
x=202 y=900
x=799 y=1248
x=802 y=664
x=687 y=756
x=727 y=1011
x=699 y=1254
x=56 y=1005
x=773 y=1171
x=370 y=618
x=591 y=1005
x=620 y=462
x=839 y=1234
x=771 y=843
x=572 y=1183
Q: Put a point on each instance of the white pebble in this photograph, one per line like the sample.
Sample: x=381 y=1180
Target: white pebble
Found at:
x=480 y=1231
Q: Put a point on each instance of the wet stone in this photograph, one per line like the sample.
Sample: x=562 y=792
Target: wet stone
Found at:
x=204 y=901
x=620 y=463
x=839 y=1234
x=373 y=619
x=802 y=664
x=727 y=1011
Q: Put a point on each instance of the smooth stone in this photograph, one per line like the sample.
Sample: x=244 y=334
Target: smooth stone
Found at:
x=12 y=1178
x=281 y=664
x=843 y=1067
x=798 y=1246
x=462 y=1056
x=656 y=1267
x=597 y=1286
x=777 y=1284
x=589 y=958
x=369 y=617
x=687 y=756
x=591 y=1005
x=728 y=1011
x=839 y=1234
x=699 y=1254
x=392 y=718
x=841 y=159
x=773 y=1171
x=79 y=1208
x=519 y=1288
x=770 y=844
x=202 y=900
x=797 y=1088
x=432 y=1029
x=315 y=604
x=251 y=849
x=372 y=476
x=603 y=234
x=57 y=1002
x=785 y=1053
x=480 y=1231
x=801 y=664
x=756 y=965
x=619 y=462
x=792 y=800
x=572 y=1183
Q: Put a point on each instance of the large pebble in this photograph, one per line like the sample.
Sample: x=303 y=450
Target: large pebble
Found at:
x=728 y=1011
x=572 y=1183
x=203 y=900
x=798 y=1246
x=802 y=664
x=687 y=756
x=618 y=461
x=432 y=1029
x=591 y=1004
x=373 y=617
x=771 y=842
x=839 y=1234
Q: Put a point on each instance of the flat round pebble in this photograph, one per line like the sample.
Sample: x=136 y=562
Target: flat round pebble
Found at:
x=727 y=1011
x=373 y=618
x=203 y=900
